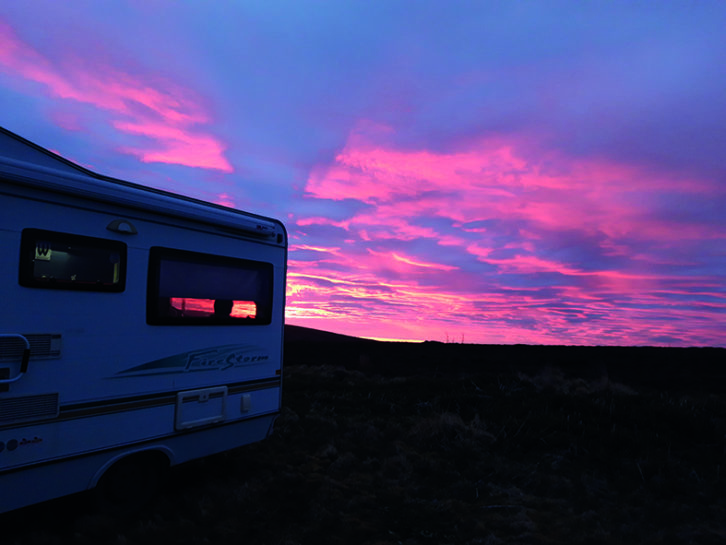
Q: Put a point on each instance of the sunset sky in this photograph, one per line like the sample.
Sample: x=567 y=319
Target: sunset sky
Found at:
x=491 y=172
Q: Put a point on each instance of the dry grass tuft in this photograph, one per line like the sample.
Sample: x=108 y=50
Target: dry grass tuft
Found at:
x=553 y=379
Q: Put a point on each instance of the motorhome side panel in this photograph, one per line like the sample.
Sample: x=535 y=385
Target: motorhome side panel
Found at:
x=106 y=334
x=143 y=357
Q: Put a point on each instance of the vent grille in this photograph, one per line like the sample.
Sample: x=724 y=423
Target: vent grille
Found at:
x=23 y=409
x=42 y=346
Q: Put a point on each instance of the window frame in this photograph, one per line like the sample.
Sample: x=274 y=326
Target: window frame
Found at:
x=26 y=270
x=157 y=254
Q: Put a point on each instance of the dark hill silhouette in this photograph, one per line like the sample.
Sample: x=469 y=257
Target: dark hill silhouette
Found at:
x=296 y=333
x=702 y=369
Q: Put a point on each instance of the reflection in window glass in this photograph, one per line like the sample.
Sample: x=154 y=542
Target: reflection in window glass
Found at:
x=192 y=288
x=205 y=308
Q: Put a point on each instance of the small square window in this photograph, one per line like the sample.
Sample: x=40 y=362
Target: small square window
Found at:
x=53 y=260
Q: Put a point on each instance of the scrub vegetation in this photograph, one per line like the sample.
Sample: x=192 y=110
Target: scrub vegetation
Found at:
x=469 y=457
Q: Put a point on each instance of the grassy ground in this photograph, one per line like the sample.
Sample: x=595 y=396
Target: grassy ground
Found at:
x=465 y=459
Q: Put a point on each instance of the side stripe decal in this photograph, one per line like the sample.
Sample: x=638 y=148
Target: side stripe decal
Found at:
x=108 y=406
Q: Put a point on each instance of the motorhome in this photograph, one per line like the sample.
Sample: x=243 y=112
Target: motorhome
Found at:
x=139 y=329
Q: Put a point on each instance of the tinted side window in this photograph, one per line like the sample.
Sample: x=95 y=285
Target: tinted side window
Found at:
x=53 y=260
x=189 y=288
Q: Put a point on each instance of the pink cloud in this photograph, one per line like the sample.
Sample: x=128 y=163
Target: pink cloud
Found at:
x=296 y=247
x=224 y=200
x=177 y=146
x=408 y=310
x=317 y=220
x=571 y=254
x=402 y=262
x=490 y=182
x=168 y=115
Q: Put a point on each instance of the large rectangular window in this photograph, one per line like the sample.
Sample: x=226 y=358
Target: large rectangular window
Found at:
x=49 y=259
x=190 y=288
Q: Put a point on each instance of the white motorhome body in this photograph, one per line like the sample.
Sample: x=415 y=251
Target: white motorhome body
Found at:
x=138 y=328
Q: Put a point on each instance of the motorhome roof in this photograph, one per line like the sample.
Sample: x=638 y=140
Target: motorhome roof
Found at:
x=23 y=162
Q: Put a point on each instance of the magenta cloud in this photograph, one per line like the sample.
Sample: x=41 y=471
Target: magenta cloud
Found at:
x=573 y=252
x=164 y=114
x=494 y=172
